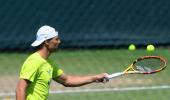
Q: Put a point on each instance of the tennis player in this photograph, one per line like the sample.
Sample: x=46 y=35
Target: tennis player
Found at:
x=39 y=69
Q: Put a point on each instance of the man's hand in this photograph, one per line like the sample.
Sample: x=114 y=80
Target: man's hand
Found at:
x=103 y=77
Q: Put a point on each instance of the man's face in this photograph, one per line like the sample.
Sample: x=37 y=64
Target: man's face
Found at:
x=53 y=43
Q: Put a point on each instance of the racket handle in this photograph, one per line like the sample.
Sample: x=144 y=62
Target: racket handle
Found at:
x=115 y=75
x=106 y=79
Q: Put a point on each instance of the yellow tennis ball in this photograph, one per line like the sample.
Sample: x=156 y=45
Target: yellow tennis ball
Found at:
x=132 y=47
x=150 y=47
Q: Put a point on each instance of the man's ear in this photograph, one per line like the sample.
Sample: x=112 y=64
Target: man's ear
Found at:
x=46 y=43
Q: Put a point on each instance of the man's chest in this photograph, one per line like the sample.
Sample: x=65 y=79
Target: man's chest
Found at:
x=45 y=73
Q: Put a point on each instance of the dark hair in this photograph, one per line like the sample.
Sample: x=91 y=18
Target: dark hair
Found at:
x=38 y=47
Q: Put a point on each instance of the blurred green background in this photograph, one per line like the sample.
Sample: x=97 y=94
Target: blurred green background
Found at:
x=83 y=62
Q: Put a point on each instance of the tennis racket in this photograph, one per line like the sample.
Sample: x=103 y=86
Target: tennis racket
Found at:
x=142 y=65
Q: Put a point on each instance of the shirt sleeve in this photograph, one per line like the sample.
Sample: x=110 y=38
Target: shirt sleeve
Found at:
x=56 y=70
x=29 y=70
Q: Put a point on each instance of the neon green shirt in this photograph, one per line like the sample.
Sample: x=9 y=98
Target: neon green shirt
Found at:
x=40 y=73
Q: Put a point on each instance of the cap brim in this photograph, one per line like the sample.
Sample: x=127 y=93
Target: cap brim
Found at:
x=37 y=43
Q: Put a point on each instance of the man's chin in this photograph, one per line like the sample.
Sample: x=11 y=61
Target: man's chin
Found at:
x=54 y=50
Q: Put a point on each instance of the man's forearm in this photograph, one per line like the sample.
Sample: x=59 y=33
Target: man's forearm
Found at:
x=74 y=81
x=20 y=94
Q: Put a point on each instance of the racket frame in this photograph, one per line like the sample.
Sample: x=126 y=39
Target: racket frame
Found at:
x=131 y=70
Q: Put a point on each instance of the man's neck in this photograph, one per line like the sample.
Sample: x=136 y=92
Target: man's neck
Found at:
x=44 y=53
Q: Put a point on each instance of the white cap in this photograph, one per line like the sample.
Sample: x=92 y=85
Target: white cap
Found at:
x=44 y=33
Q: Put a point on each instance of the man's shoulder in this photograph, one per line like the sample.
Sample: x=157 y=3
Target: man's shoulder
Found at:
x=34 y=58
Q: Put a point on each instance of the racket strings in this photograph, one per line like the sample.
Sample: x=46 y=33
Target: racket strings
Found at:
x=148 y=65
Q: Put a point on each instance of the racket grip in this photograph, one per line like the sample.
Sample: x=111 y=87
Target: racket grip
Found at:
x=115 y=75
